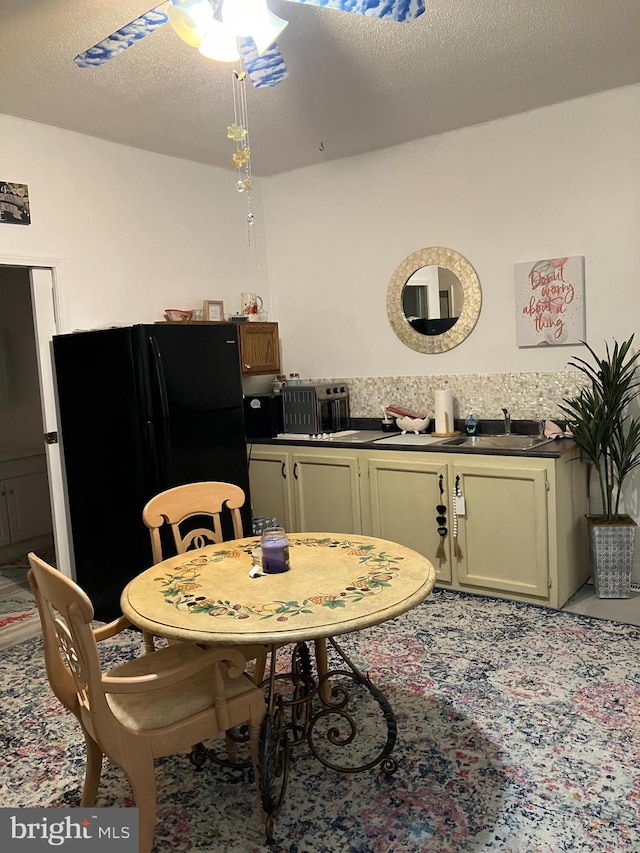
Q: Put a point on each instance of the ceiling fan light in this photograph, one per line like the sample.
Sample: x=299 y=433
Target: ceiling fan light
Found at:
x=190 y=20
x=243 y=15
x=267 y=30
x=220 y=43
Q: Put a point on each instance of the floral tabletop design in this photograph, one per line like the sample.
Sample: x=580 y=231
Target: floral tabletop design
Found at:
x=183 y=587
x=336 y=583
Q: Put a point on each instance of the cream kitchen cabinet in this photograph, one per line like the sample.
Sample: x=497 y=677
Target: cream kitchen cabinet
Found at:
x=403 y=492
x=307 y=489
x=521 y=533
x=25 y=511
x=521 y=530
x=503 y=533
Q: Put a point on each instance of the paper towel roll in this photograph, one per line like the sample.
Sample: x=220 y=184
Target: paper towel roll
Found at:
x=443 y=404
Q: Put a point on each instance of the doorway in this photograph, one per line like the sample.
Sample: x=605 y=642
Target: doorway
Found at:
x=30 y=295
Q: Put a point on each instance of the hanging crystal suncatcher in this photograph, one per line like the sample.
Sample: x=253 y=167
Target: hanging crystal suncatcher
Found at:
x=238 y=132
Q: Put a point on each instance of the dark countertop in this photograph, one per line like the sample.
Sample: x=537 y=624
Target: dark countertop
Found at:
x=368 y=433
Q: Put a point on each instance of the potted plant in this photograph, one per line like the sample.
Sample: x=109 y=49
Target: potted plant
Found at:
x=609 y=438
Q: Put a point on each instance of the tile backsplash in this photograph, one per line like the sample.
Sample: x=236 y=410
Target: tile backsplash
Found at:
x=525 y=395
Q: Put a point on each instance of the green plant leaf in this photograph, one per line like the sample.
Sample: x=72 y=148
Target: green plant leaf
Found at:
x=598 y=417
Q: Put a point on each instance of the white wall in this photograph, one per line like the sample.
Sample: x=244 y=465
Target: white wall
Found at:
x=137 y=232
x=564 y=180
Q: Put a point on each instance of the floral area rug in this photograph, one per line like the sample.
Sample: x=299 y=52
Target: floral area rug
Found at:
x=19 y=618
x=518 y=732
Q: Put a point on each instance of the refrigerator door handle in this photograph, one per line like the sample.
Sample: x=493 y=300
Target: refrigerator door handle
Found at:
x=160 y=426
x=159 y=377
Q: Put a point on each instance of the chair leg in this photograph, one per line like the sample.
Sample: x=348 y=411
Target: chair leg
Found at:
x=232 y=748
x=254 y=738
x=142 y=777
x=149 y=645
x=260 y=667
x=92 y=772
x=255 y=724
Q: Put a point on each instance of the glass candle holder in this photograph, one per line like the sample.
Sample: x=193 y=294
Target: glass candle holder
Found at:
x=275 y=551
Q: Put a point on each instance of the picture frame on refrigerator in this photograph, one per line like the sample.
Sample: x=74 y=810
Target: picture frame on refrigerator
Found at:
x=212 y=310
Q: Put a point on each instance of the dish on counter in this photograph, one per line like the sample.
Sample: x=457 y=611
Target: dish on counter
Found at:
x=416 y=425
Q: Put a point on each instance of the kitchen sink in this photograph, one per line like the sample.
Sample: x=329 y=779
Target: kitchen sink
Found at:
x=497 y=442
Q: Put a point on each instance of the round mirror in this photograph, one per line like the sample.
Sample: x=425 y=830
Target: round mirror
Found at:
x=433 y=300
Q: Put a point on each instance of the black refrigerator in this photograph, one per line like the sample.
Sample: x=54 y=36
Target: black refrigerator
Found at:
x=142 y=408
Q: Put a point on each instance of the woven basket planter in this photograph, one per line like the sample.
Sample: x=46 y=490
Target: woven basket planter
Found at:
x=611 y=546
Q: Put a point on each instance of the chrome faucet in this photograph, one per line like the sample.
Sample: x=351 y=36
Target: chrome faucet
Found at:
x=507 y=422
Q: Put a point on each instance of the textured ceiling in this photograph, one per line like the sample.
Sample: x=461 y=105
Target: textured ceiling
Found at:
x=355 y=83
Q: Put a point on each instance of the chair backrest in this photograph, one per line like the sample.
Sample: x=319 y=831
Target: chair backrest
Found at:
x=70 y=649
x=200 y=500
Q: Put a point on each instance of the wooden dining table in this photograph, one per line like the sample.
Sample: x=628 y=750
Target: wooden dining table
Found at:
x=337 y=584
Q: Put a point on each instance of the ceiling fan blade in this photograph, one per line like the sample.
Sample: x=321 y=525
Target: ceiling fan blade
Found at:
x=394 y=10
x=265 y=70
x=123 y=38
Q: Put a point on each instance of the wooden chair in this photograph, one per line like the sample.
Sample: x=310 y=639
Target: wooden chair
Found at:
x=182 y=507
x=158 y=704
x=175 y=507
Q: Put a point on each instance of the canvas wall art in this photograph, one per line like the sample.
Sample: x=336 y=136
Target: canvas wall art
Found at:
x=14 y=203
x=550 y=302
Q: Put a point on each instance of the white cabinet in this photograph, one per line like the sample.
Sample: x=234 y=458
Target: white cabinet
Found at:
x=5 y=535
x=25 y=511
x=521 y=533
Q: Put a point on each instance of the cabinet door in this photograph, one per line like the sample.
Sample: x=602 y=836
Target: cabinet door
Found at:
x=503 y=534
x=403 y=497
x=326 y=491
x=5 y=535
x=259 y=348
x=28 y=506
x=270 y=482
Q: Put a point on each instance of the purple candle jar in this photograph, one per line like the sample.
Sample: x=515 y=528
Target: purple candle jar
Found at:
x=275 y=551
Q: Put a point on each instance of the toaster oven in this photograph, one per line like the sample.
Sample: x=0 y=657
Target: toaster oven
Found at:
x=315 y=409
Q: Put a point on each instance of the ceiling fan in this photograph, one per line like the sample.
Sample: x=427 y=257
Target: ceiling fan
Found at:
x=228 y=30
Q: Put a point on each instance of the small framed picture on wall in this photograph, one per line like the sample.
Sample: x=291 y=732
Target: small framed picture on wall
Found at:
x=212 y=310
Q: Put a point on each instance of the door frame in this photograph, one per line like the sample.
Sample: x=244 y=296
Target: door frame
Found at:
x=49 y=318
